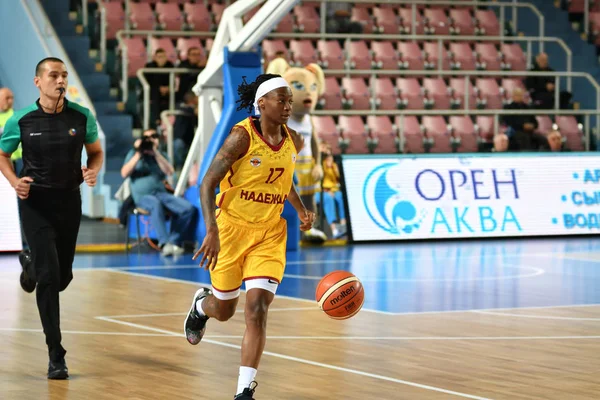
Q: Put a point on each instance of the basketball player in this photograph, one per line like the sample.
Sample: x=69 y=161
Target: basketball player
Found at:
x=246 y=238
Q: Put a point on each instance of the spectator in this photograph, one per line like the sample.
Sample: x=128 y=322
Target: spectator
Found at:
x=187 y=81
x=6 y=111
x=184 y=128
x=159 y=86
x=521 y=127
x=148 y=168
x=500 y=143
x=338 y=20
x=333 y=202
x=554 y=142
x=541 y=88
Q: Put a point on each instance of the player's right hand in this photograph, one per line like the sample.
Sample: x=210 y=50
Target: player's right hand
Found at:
x=210 y=250
x=22 y=187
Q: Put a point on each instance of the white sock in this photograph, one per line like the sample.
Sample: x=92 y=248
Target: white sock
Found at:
x=247 y=375
x=199 y=307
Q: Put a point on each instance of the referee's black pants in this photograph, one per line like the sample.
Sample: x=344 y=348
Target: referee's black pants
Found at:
x=50 y=219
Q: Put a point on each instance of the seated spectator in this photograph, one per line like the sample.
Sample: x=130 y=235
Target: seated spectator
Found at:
x=338 y=20
x=185 y=128
x=500 y=143
x=187 y=81
x=333 y=202
x=148 y=168
x=521 y=127
x=541 y=88
x=6 y=111
x=554 y=142
x=159 y=86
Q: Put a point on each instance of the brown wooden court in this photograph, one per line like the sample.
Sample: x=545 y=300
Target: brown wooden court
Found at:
x=123 y=334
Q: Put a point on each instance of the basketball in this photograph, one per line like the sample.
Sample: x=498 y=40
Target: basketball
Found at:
x=340 y=295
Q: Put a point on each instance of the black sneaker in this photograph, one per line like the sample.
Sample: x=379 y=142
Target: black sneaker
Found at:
x=27 y=283
x=247 y=393
x=195 y=324
x=58 y=370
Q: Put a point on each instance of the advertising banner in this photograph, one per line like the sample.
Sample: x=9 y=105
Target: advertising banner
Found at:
x=399 y=197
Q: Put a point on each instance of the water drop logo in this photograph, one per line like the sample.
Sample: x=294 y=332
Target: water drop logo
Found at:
x=387 y=207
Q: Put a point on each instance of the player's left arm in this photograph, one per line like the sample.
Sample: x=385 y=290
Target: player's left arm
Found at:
x=93 y=149
x=307 y=217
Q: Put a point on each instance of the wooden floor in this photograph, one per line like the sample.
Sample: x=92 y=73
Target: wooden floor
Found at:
x=123 y=334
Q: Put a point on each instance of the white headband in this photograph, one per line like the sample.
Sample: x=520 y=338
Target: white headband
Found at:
x=266 y=87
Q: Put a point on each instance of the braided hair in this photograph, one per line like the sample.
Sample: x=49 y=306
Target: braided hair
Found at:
x=247 y=91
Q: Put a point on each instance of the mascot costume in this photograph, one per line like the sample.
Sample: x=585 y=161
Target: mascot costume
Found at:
x=307 y=84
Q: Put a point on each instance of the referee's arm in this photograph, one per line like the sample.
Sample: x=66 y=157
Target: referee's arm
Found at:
x=9 y=143
x=93 y=149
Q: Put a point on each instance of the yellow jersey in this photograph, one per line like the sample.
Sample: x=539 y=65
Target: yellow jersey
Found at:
x=258 y=184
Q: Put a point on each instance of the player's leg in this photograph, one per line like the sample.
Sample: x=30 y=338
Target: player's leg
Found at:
x=263 y=270
x=67 y=226
x=226 y=279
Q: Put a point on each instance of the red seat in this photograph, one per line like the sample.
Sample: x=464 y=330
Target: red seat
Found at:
x=361 y=15
x=457 y=88
x=409 y=92
x=303 y=52
x=326 y=130
x=272 y=47
x=184 y=44
x=356 y=93
x=115 y=18
x=332 y=96
x=510 y=84
x=411 y=56
x=137 y=55
x=217 y=10
x=169 y=16
x=487 y=23
x=382 y=130
x=385 y=94
x=464 y=131
x=411 y=135
x=484 y=124
x=514 y=57
x=432 y=54
x=352 y=129
x=358 y=55
x=330 y=54
x=406 y=26
x=197 y=17
x=488 y=57
x=437 y=21
x=488 y=90
x=437 y=132
x=461 y=56
x=569 y=128
x=384 y=55
x=387 y=21
x=544 y=124
x=166 y=44
x=141 y=16
x=462 y=22
x=307 y=18
x=437 y=92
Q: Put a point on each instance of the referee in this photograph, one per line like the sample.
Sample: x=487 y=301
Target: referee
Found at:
x=53 y=132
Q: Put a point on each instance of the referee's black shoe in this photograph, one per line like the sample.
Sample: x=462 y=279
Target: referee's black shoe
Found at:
x=27 y=282
x=58 y=370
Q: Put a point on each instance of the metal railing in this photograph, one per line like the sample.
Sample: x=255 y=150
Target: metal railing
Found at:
x=475 y=74
x=146 y=88
x=495 y=113
x=84 y=13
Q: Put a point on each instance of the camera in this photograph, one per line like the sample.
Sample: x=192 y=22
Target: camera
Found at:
x=146 y=144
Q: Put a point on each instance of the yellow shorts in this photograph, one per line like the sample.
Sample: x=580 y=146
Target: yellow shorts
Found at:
x=248 y=251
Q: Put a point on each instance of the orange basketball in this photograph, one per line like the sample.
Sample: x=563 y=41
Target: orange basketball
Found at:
x=340 y=294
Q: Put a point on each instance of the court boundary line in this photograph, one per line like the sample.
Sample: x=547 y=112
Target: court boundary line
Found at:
x=501 y=314
x=305 y=361
x=200 y=284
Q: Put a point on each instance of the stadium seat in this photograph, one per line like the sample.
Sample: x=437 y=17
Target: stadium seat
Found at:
x=544 y=124
x=437 y=21
x=409 y=92
x=436 y=131
x=361 y=15
x=115 y=18
x=461 y=56
x=489 y=91
x=514 y=56
x=217 y=10
x=381 y=129
x=184 y=44
x=463 y=130
x=569 y=129
x=384 y=55
x=169 y=16
x=327 y=131
x=457 y=88
x=137 y=56
x=330 y=54
x=358 y=55
x=385 y=94
x=141 y=16
x=166 y=44
x=356 y=93
x=432 y=51
x=271 y=47
x=332 y=96
x=461 y=22
x=405 y=15
x=411 y=56
x=411 y=135
x=484 y=126
x=307 y=18
x=487 y=57
x=387 y=21
x=303 y=52
x=510 y=84
x=198 y=17
x=487 y=22
x=352 y=129
x=437 y=93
